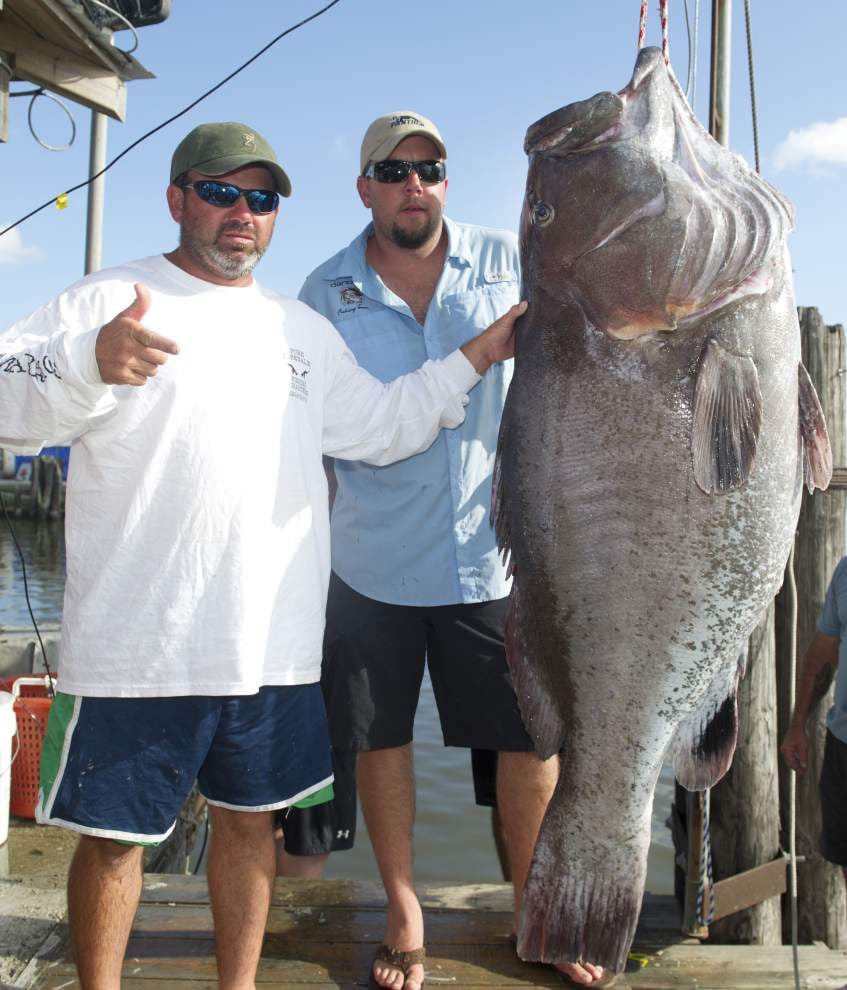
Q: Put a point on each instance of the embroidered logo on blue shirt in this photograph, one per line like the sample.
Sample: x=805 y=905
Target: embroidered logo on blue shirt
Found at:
x=500 y=277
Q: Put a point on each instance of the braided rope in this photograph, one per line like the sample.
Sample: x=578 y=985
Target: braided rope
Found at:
x=749 y=31
x=642 y=25
x=663 y=11
x=706 y=875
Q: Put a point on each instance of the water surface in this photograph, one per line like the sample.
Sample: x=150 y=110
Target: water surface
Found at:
x=452 y=835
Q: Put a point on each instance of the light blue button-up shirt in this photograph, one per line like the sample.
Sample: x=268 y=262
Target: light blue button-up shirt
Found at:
x=833 y=622
x=417 y=532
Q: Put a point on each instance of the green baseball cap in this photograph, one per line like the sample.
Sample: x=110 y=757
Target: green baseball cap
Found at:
x=215 y=149
x=386 y=132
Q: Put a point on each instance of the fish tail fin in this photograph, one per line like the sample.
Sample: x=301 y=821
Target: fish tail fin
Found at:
x=705 y=742
x=817 y=452
x=540 y=712
x=571 y=914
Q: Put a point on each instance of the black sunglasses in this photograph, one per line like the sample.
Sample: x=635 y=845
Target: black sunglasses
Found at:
x=396 y=170
x=225 y=194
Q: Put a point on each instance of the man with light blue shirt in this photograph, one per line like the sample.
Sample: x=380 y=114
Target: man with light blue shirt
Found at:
x=826 y=658
x=416 y=573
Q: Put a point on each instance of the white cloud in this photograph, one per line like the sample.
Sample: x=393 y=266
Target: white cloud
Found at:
x=816 y=146
x=13 y=250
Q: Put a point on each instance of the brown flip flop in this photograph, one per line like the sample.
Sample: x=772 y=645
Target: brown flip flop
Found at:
x=399 y=960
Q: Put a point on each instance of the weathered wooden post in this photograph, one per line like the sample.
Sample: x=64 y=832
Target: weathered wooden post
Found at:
x=822 y=903
x=745 y=808
x=745 y=804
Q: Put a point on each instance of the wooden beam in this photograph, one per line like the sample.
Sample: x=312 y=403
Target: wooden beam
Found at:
x=49 y=66
x=748 y=889
x=69 y=21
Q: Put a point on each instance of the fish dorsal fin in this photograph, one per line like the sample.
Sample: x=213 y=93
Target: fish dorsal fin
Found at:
x=727 y=419
x=817 y=453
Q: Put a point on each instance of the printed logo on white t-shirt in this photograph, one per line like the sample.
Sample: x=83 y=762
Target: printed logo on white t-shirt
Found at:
x=300 y=367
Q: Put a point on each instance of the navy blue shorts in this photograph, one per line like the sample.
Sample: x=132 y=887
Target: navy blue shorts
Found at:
x=122 y=767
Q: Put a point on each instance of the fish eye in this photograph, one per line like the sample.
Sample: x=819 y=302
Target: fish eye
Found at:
x=542 y=214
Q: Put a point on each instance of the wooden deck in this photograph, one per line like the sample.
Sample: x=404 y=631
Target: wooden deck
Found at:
x=322 y=934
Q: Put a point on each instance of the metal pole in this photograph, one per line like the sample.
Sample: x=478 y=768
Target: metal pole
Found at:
x=721 y=51
x=94 y=218
x=6 y=72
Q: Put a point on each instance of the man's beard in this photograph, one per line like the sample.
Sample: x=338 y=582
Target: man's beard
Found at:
x=415 y=238
x=232 y=264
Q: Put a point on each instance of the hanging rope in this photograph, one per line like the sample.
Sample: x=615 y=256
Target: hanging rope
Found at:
x=706 y=880
x=693 y=48
x=642 y=27
x=752 y=84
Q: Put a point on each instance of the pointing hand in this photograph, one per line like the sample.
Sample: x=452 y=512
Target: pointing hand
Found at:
x=127 y=352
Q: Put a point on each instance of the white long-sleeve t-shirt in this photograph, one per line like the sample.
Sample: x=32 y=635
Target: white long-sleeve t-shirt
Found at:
x=196 y=518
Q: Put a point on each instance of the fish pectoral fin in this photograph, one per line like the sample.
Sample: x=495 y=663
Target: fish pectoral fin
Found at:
x=705 y=742
x=817 y=452
x=727 y=419
x=539 y=709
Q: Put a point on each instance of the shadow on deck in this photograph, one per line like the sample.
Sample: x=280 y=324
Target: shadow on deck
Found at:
x=322 y=934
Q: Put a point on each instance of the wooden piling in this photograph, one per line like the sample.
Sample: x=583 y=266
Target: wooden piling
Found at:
x=822 y=902
x=745 y=804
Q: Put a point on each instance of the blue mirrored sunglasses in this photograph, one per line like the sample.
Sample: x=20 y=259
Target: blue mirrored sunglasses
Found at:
x=225 y=194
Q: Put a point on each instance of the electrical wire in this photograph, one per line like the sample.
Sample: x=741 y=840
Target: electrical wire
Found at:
x=26 y=593
x=129 y=24
x=693 y=45
x=58 y=102
x=170 y=120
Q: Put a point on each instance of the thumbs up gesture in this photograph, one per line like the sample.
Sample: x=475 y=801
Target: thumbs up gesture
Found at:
x=127 y=352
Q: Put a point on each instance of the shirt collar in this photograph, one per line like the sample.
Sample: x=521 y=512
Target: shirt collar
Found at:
x=354 y=263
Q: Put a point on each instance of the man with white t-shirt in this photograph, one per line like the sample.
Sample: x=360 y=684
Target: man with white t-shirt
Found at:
x=195 y=596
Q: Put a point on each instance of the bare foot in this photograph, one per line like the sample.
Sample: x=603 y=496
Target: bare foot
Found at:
x=404 y=933
x=585 y=974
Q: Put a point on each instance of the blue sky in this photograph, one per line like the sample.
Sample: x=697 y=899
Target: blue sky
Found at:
x=484 y=70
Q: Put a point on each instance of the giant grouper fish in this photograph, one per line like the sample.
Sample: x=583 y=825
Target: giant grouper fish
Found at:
x=652 y=453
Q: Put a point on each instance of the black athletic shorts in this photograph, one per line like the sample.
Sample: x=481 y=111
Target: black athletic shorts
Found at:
x=331 y=827
x=373 y=664
x=327 y=827
x=833 y=790
x=484 y=770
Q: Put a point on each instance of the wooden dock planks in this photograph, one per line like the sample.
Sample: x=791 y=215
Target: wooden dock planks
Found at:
x=322 y=934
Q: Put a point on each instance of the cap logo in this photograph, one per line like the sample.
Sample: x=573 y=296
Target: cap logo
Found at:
x=399 y=121
x=249 y=141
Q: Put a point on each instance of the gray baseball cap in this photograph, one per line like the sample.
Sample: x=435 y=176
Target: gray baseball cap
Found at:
x=385 y=133
x=215 y=149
